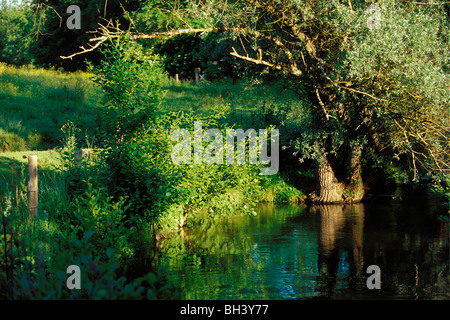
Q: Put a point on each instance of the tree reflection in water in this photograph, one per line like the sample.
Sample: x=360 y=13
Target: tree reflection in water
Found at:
x=297 y=252
x=340 y=239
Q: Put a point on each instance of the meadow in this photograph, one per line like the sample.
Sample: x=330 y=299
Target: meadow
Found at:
x=36 y=103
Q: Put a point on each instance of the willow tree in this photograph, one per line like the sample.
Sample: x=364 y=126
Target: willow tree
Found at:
x=376 y=76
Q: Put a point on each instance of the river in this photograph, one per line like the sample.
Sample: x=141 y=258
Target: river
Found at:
x=304 y=252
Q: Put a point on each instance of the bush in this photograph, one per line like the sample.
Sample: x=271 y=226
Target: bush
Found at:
x=130 y=79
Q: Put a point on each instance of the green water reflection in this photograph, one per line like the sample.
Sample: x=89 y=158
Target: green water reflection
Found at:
x=295 y=252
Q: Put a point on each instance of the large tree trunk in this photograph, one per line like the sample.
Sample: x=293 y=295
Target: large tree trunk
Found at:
x=354 y=186
x=330 y=189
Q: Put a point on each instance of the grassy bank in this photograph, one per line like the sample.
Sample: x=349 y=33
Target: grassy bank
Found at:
x=85 y=231
x=50 y=114
x=36 y=103
x=39 y=108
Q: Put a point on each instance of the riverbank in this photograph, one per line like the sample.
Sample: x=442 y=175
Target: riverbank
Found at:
x=98 y=212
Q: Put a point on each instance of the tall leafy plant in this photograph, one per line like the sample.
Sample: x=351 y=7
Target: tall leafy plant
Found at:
x=130 y=79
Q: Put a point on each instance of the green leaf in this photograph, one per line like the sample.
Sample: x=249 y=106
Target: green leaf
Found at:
x=110 y=252
x=88 y=235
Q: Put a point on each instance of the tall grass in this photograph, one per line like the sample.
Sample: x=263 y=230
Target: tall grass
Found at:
x=36 y=251
x=26 y=242
x=35 y=103
x=249 y=104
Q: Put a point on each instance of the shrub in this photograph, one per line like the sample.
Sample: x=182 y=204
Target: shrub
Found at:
x=130 y=79
x=35 y=253
x=10 y=141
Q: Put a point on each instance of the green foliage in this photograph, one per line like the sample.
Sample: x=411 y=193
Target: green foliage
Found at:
x=15 y=28
x=205 y=191
x=384 y=89
x=95 y=218
x=34 y=262
x=138 y=158
x=86 y=230
x=404 y=63
x=157 y=15
x=130 y=80
x=101 y=222
x=277 y=190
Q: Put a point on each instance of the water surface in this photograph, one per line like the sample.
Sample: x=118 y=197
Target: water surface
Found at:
x=301 y=252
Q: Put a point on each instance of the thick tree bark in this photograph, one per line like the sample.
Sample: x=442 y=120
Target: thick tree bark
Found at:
x=330 y=189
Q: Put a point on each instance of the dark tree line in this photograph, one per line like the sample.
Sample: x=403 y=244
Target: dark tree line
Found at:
x=36 y=31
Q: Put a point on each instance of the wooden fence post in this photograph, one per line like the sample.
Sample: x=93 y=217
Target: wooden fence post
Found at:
x=79 y=154
x=177 y=79
x=197 y=76
x=33 y=185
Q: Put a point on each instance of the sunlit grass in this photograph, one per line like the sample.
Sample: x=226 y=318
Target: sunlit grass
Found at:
x=47 y=160
x=35 y=103
x=248 y=103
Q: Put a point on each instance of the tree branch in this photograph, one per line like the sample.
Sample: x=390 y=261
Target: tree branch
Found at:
x=256 y=61
x=327 y=115
x=363 y=93
x=107 y=34
x=293 y=69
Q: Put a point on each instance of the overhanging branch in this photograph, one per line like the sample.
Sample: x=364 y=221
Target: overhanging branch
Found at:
x=256 y=61
x=109 y=31
x=107 y=34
